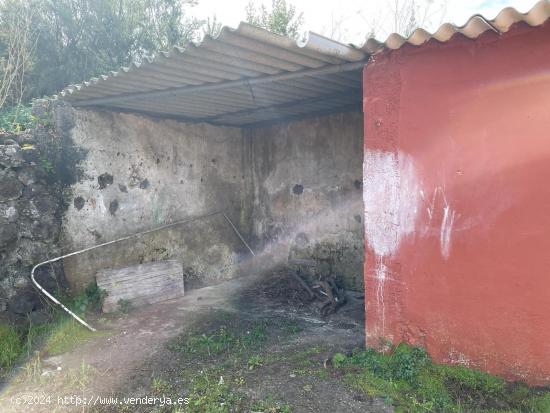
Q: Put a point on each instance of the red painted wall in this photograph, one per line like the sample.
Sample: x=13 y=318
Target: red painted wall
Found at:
x=457 y=200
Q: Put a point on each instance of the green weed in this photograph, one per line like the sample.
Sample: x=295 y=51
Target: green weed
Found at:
x=255 y=362
x=11 y=345
x=407 y=378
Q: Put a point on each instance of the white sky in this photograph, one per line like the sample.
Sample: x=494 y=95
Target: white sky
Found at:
x=357 y=16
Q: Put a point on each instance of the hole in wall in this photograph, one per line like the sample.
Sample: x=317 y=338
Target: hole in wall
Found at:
x=104 y=180
x=79 y=203
x=297 y=189
x=144 y=184
x=113 y=207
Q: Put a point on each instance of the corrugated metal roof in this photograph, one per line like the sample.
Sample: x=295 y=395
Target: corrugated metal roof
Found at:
x=474 y=27
x=248 y=76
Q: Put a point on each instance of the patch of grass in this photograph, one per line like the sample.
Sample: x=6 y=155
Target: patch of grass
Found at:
x=11 y=345
x=222 y=341
x=210 y=394
x=66 y=335
x=61 y=334
x=161 y=387
x=408 y=379
x=124 y=306
x=269 y=406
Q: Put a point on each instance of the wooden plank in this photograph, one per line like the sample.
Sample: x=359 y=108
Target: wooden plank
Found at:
x=142 y=284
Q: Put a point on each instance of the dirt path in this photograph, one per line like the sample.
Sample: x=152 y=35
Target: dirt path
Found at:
x=132 y=351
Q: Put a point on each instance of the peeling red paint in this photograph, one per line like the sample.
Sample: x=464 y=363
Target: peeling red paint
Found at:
x=472 y=281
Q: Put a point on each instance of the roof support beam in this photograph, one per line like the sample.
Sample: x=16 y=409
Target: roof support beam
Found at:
x=188 y=90
x=347 y=94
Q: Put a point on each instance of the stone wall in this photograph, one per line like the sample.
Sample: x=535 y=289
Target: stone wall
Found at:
x=31 y=204
x=307 y=181
x=294 y=188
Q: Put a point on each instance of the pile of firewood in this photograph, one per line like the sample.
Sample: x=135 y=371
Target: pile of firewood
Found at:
x=323 y=292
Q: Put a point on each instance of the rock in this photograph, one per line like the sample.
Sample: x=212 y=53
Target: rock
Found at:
x=8 y=214
x=39 y=317
x=31 y=252
x=21 y=282
x=25 y=138
x=23 y=303
x=8 y=235
x=30 y=153
x=10 y=187
x=46 y=229
x=27 y=176
x=3 y=305
x=10 y=156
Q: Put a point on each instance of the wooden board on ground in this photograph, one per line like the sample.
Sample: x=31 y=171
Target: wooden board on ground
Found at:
x=141 y=284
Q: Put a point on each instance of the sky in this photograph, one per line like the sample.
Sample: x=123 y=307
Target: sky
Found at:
x=350 y=20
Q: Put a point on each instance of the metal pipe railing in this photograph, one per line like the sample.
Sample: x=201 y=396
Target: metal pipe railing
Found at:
x=173 y=224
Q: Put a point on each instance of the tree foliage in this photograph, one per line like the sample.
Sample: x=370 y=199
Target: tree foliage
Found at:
x=282 y=18
x=17 y=42
x=78 y=39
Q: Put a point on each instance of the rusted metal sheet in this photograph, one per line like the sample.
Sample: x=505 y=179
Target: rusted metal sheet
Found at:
x=141 y=284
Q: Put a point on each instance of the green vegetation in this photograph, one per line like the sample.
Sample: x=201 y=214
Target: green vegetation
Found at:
x=60 y=335
x=408 y=379
x=222 y=341
x=65 y=335
x=17 y=118
x=282 y=18
x=124 y=306
x=10 y=345
x=270 y=405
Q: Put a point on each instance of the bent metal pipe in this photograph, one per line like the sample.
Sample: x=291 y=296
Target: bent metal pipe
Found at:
x=77 y=318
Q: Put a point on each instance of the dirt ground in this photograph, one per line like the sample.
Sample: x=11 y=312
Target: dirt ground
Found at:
x=263 y=354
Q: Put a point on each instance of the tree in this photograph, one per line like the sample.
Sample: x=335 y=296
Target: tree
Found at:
x=408 y=15
x=212 y=27
x=79 y=39
x=17 y=44
x=282 y=18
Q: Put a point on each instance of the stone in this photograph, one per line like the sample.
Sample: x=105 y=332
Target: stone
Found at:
x=30 y=153
x=8 y=214
x=10 y=156
x=31 y=252
x=8 y=235
x=23 y=303
x=21 y=282
x=3 y=305
x=38 y=317
x=27 y=176
x=10 y=187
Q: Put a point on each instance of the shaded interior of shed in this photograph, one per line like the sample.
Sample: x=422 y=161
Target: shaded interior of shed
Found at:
x=265 y=128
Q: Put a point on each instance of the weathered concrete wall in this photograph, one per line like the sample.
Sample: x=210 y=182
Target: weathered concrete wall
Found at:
x=306 y=177
x=140 y=173
x=456 y=206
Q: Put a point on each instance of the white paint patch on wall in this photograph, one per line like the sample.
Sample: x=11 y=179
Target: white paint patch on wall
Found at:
x=446 y=231
x=391 y=197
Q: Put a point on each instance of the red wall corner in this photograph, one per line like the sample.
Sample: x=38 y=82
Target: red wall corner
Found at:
x=457 y=208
